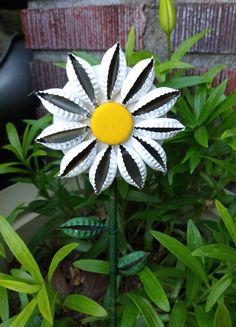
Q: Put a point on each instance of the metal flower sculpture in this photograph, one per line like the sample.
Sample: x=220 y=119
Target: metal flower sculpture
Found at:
x=109 y=118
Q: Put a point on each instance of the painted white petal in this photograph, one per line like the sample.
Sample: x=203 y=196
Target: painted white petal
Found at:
x=103 y=170
x=160 y=128
x=131 y=166
x=155 y=103
x=112 y=71
x=151 y=152
x=63 y=136
x=138 y=82
x=78 y=159
x=61 y=103
x=81 y=74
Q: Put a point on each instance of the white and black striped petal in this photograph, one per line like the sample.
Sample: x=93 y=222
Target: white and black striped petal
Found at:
x=81 y=74
x=131 y=166
x=103 y=170
x=156 y=103
x=112 y=71
x=160 y=128
x=78 y=159
x=63 y=136
x=62 y=104
x=151 y=152
x=138 y=82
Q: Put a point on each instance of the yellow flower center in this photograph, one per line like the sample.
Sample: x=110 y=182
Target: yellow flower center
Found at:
x=111 y=123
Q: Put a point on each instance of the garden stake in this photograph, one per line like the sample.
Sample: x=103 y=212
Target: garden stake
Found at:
x=112 y=223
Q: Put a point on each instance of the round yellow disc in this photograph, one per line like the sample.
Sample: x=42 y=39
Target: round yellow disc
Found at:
x=111 y=123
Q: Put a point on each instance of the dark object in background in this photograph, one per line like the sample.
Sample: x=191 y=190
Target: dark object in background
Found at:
x=15 y=84
x=13 y=4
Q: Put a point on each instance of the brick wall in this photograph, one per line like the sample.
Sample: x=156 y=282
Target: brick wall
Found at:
x=53 y=27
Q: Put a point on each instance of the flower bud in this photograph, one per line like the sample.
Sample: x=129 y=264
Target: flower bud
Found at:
x=167 y=16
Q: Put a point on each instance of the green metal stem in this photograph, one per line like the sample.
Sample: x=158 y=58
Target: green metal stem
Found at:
x=113 y=254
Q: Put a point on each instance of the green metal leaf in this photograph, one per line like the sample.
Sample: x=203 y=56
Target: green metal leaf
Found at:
x=58 y=257
x=146 y=309
x=85 y=305
x=93 y=265
x=83 y=227
x=132 y=263
x=182 y=253
x=154 y=289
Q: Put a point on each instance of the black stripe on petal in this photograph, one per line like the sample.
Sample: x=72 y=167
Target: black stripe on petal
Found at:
x=156 y=103
x=102 y=169
x=78 y=159
x=131 y=167
x=153 y=152
x=160 y=129
x=83 y=78
x=63 y=136
x=63 y=103
x=140 y=81
x=113 y=71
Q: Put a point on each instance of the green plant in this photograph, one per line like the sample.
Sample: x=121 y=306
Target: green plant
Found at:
x=180 y=219
x=37 y=296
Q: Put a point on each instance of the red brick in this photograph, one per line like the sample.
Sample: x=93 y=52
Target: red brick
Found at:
x=85 y=27
x=194 y=17
x=46 y=75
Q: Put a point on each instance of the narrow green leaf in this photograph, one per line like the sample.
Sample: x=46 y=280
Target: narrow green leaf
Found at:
x=186 y=45
x=216 y=251
x=193 y=283
x=228 y=166
x=22 y=318
x=154 y=289
x=22 y=275
x=44 y=305
x=4 y=305
x=212 y=72
x=169 y=65
x=19 y=249
x=215 y=97
x=201 y=136
x=8 y=322
x=228 y=221
x=217 y=290
x=204 y=319
x=2 y=251
x=185 y=81
x=146 y=309
x=185 y=113
x=18 y=286
x=93 y=265
x=130 y=315
x=129 y=49
x=222 y=316
x=182 y=253
x=58 y=257
x=229 y=133
x=14 y=140
x=199 y=100
x=178 y=315
x=85 y=305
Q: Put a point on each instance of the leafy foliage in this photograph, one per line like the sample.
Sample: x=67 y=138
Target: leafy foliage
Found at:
x=185 y=220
